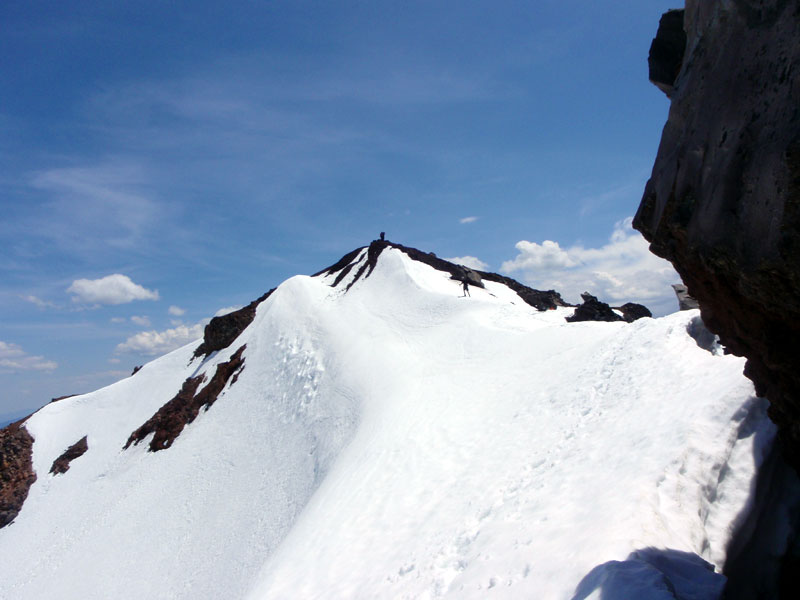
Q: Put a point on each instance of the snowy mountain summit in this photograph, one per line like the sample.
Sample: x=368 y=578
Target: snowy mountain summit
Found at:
x=373 y=432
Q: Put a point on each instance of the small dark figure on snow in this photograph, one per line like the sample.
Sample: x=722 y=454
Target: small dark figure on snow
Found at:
x=465 y=285
x=383 y=235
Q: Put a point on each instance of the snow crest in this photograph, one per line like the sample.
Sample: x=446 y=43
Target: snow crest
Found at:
x=400 y=441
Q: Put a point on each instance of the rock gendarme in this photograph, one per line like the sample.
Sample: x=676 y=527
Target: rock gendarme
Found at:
x=723 y=201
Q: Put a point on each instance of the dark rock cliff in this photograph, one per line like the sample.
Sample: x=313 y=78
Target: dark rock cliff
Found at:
x=723 y=201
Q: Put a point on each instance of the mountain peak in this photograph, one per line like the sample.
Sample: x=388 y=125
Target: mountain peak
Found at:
x=364 y=263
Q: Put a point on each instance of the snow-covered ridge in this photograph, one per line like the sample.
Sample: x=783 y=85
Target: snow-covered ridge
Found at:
x=388 y=438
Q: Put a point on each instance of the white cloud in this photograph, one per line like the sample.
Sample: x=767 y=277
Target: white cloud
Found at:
x=14 y=358
x=545 y=256
x=623 y=270
x=114 y=361
x=467 y=220
x=469 y=261
x=111 y=289
x=153 y=343
x=141 y=321
x=176 y=311
x=117 y=319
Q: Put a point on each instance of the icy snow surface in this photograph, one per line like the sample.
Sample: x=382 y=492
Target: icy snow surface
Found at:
x=400 y=441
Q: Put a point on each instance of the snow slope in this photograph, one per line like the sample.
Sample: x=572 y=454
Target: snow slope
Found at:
x=399 y=441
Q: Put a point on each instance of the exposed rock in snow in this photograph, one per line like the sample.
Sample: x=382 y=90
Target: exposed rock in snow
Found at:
x=78 y=449
x=342 y=266
x=62 y=398
x=593 y=310
x=170 y=419
x=631 y=311
x=16 y=470
x=222 y=331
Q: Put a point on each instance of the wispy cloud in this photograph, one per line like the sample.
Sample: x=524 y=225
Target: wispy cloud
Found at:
x=94 y=379
x=469 y=261
x=14 y=358
x=96 y=204
x=622 y=270
x=466 y=220
x=226 y=310
x=141 y=321
x=176 y=311
x=153 y=343
x=111 y=289
x=591 y=203
x=38 y=301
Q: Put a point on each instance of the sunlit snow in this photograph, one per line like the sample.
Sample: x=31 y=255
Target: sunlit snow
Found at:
x=401 y=441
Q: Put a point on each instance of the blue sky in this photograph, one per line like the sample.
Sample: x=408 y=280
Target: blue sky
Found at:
x=162 y=161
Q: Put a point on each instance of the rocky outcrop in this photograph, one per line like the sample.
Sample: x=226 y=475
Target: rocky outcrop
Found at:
x=222 y=331
x=60 y=398
x=685 y=301
x=631 y=311
x=723 y=201
x=16 y=470
x=666 y=51
x=169 y=421
x=61 y=464
x=471 y=277
x=593 y=310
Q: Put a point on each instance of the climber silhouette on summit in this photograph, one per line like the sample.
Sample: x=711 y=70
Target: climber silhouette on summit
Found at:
x=383 y=235
x=465 y=285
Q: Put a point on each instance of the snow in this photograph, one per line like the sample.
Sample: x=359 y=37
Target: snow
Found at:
x=401 y=441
